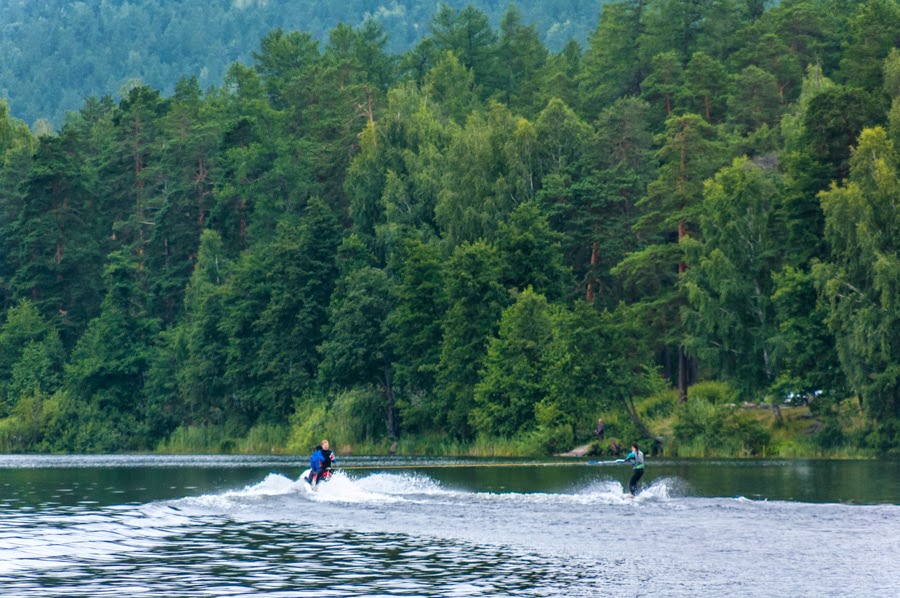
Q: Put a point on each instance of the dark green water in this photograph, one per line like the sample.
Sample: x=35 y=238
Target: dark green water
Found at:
x=241 y=526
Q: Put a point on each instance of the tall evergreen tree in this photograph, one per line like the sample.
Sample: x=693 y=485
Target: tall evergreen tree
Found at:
x=468 y=34
x=415 y=326
x=475 y=301
x=275 y=311
x=356 y=350
x=690 y=153
x=559 y=77
x=531 y=255
x=874 y=32
x=189 y=178
x=513 y=381
x=612 y=66
x=107 y=368
x=56 y=242
x=705 y=87
x=520 y=58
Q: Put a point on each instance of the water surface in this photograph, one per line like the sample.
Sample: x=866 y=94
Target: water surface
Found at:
x=233 y=526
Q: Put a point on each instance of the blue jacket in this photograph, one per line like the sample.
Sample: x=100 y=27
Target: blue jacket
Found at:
x=315 y=461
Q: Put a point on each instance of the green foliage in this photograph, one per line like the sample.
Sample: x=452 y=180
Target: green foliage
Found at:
x=756 y=101
x=860 y=281
x=581 y=374
x=350 y=418
x=728 y=281
x=197 y=439
x=665 y=79
x=308 y=425
x=106 y=368
x=415 y=322
x=874 y=32
x=488 y=172
x=612 y=66
x=530 y=254
x=803 y=348
x=662 y=405
x=226 y=438
x=452 y=85
x=373 y=246
x=356 y=350
x=714 y=393
x=705 y=87
x=475 y=302
x=512 y=383
x=24 y=429
x=705 y=427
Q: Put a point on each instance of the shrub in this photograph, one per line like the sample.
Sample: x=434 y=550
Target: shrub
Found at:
x=708 y=427
x=308 y=426
x=715 y=393
x=659 y=405
x=698 y=419
x=831 y=435
x=743 y=434
x=264 y=438
x=354 y=416
x=546 y=440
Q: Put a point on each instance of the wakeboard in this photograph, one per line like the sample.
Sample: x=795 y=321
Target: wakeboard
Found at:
x=304 y=480
x=309 y=487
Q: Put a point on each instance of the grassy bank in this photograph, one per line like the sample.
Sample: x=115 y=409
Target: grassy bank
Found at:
x=698 y=429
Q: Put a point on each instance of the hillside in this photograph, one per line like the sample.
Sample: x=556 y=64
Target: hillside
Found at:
x=56 y=53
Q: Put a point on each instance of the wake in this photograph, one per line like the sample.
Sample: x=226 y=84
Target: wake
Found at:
x=385 y=488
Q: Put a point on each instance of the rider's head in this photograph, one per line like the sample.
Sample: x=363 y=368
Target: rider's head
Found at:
x=634 y=446
x=325 y=444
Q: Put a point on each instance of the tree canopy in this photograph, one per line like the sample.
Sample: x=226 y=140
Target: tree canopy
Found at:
x=469 y=232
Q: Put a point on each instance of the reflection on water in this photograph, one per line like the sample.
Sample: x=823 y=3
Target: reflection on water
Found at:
x=215 y=557
x=222 y=526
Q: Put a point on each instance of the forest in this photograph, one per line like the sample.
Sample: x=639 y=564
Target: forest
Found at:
x=477 y=244
x=56 y=53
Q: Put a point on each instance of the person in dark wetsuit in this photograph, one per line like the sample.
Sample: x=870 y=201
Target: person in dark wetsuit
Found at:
x=636 y=458
x=328 y=459
x=320 y=463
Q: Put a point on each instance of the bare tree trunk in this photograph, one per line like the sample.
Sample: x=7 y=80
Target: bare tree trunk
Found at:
x=636 y=420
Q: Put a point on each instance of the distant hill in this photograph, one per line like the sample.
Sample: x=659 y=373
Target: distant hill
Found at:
x=56 y=53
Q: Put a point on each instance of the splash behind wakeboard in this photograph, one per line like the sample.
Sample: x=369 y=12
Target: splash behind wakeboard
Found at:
x=304 y=479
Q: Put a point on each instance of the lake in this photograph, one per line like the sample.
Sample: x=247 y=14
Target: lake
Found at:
x=242 y=526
